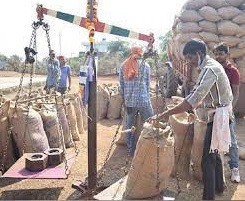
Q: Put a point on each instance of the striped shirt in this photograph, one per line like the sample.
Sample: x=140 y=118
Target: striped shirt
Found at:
x=211 y=90
x=136 y=91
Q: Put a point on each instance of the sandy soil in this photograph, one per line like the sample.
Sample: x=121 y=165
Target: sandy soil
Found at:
x=60 y=189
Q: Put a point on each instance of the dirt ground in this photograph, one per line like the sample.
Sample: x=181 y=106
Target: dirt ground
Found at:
x=60 y=189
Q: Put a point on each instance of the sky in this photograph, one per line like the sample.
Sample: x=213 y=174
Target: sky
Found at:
x=17 y=16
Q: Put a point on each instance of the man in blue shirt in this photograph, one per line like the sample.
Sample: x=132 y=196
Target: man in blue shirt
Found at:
x=53 y=70
x=65 y=75
x=134 y=78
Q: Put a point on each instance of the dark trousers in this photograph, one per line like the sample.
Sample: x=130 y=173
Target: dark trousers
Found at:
x=212 y=169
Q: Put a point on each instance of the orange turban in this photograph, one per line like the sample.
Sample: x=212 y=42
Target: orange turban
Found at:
x=130 y=65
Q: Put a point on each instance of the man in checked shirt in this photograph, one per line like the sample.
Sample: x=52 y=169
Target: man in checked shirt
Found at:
x=213 y=95
x=134 y=78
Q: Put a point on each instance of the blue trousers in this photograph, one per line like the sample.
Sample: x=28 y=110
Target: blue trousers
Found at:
x=233 y=151
x=131 y=112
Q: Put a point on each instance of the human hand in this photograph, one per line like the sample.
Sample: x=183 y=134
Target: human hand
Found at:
x=158 y=117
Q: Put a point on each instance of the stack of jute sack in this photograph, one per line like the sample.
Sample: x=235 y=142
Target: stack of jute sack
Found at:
x=38 y=123
x=213 y=21
x=110 y=103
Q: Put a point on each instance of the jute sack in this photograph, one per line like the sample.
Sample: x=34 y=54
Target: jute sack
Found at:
x=240 y=19
x=121 y=137
x=235 y=3
x=187 y=27
x=228 y=28
x=85 y=116
x=184 y=37
x=194 y=4
x=79 y=118
x=241 y=149
x=114 y=106
x=142 y=176
x=208 y=26
x=173 y=101
x=242 y=44
x=71 y=118
x=5 y=138
x=242 y=153
x=52 y=129
x=65 y=127
x=30 y=137
x=228 y=12
x=237 y=52
x=231 y=41
x=190 y=16
x=209 y=36
x=241 y=32
x=103 y=97
x=200 y=128
x=183 y=128
x=217 y=3
x=209 y=14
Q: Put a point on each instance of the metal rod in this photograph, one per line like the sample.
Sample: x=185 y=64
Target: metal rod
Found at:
x=92 y=128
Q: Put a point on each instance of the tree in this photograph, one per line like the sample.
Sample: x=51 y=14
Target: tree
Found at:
x=164 y=41
x=75 y=63
x=119 y=48
x=14 y=63
x=3 y=57
x=163 y=46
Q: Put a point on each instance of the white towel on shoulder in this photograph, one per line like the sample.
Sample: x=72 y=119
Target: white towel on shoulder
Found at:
x=221 y=138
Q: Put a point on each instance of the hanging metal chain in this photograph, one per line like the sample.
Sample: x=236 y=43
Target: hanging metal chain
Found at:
x=67 y=172
x=46 y=28
x=182 y=146
x=156 y=58
x=69 y=123
x=17 y=97
x=141 y=69
x=153 y=54
x=29 y=93
x=102 y=172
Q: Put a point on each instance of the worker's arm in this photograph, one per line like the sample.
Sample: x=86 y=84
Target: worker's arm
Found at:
x=182 y=107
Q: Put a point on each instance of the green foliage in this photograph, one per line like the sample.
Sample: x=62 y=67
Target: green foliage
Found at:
x=75 y=63
x=119 y=48
x=108 y=64
x=163 y=46
x=3 y=57
x=164 y=41
x=40 y=67
x=14 y=62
